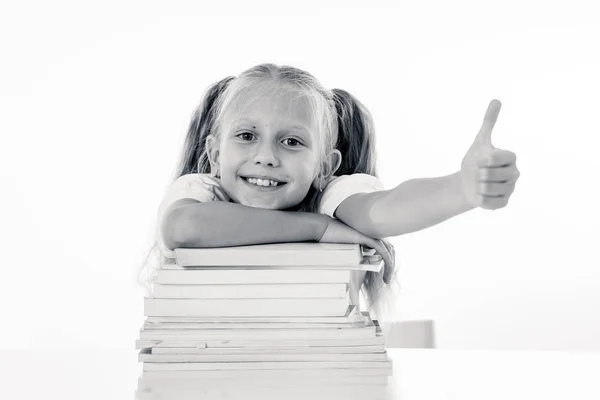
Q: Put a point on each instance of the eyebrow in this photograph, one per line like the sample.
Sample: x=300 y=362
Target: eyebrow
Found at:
x=251 y=121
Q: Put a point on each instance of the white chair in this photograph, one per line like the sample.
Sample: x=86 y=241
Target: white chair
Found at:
x=416 y=334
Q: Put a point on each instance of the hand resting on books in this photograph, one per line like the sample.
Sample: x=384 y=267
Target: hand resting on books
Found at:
x=339 y=232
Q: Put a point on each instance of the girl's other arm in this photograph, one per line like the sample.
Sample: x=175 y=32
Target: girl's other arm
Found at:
x=413 y=205
x=221 y=224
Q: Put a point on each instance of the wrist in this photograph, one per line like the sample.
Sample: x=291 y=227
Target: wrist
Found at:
x=319 y=225
x=460 y=192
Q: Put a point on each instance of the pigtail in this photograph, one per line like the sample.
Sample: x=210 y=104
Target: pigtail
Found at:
x=356 y=142
x=194 y=158
x=356 y=135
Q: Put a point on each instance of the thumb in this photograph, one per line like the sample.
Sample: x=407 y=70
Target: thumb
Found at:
x=484 y=137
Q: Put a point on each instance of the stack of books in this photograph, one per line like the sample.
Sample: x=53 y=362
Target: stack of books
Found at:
x=263 y=321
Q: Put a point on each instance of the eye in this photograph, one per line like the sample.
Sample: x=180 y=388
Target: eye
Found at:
x=247 y=135
x=296 y=141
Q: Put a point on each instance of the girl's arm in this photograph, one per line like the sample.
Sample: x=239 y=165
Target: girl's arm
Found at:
x=221 y=224
x=411 y=206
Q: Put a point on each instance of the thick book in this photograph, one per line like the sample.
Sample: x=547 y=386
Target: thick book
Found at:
x=324 y=366
x=322 y=383
x=248 y=275
x=266 y=333
x=235 y=275
x=150 y=383
x=295 y=253
x=353 y=314
x=377 y=340
x=298 y=391
x=368 y=263
x=252 y=291
x=260 y=344
x=247 y=325
x=325 y=307
x=274 y=373
x=323 y=388
x=375 y=349
x=147 y=355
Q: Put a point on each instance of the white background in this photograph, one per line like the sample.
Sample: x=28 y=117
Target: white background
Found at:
x=95 y=99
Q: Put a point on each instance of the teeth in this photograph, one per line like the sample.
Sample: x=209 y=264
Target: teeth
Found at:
x=262 y=182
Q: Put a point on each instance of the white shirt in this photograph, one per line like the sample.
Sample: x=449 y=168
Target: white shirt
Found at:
x=203 y=187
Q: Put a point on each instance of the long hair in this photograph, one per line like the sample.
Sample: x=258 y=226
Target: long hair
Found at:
x=343 y=123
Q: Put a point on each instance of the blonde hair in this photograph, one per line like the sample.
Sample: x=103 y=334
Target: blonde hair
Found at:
x=343 y=123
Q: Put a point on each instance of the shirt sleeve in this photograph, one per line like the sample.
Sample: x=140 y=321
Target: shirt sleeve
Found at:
x=342 y=187
x=201 y=187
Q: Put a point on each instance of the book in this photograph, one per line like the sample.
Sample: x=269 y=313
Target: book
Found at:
x=260 y=344
x=247 y=325
x=250 y=291
x=295 y=254
x=276 y=334
x=353 y=314
x=146 y=355
x=266 y=350
x=368 y=263
x=247 y=275
x=297 y=344
x=247 y=307
x=253 y=392
x=150 y=382
x=235 y=275
x=324 y=366
x=348 y=388
x=269 y=373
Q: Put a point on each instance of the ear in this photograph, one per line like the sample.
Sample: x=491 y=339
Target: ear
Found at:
x=336 y=161
x=335 y=158
x=212 y=150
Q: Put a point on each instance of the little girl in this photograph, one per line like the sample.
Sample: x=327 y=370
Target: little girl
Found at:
x=273 y=156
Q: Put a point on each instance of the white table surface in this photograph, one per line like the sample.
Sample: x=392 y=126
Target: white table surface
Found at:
x=418 y=374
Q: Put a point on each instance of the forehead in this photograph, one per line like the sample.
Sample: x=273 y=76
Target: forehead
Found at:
x=276 y=107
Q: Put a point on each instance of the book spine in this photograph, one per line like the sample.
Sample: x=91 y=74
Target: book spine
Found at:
x=256 y=291
x=257 y=256
x=370 y=349
x=273 y=373
x=298 y=357
x=279 y=334
x=261 y=344
x=249 y=276
x=324 y=366
x=246 y=307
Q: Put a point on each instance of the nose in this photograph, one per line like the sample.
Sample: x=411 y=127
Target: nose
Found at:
x=266 y=155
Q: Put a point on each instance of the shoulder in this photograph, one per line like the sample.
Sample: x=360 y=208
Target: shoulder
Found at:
x=201 y=187
x=191 y=181
x=341 y=187
x=364 y=181
x=191 y=188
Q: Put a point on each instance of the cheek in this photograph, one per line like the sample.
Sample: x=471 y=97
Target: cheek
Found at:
x=229 y=156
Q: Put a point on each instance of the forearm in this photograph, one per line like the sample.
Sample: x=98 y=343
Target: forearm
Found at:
x=221 y=224
x=418 y=204
x=411 y=206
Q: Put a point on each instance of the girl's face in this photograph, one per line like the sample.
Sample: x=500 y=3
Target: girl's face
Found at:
x=268 y=155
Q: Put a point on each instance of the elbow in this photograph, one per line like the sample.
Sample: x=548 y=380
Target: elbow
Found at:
x=175 y=228
x=372 y=230
x=378 y=216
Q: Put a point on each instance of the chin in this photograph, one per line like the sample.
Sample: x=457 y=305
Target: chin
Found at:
x=262 y=205
x=270 y=206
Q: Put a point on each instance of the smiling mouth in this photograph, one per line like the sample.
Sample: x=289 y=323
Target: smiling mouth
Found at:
x=266 y=183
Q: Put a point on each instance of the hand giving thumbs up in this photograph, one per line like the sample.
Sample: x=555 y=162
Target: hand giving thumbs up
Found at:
x=488 y=175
